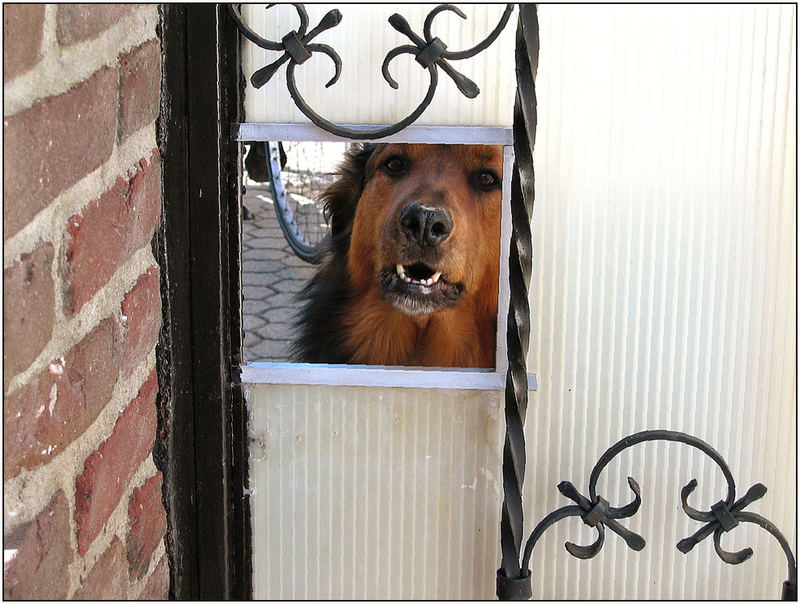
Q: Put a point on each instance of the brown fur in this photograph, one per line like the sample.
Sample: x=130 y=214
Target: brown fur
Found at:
x=368 y=241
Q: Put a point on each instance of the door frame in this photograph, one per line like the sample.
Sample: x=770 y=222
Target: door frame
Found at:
x=202 y=446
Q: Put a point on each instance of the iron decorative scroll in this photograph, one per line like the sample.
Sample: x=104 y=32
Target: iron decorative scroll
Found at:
x=723 y=516
x=429 y=51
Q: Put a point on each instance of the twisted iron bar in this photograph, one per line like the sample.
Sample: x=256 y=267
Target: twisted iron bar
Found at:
x=429 y=51
x=724 y=515
x=513 y=581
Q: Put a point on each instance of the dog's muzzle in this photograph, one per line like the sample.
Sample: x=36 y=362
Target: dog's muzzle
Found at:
x=416 y=286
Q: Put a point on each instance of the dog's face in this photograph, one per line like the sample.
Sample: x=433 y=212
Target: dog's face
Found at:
x=427 y=225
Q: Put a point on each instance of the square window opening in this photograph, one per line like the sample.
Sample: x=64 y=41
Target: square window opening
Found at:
x=282 y=245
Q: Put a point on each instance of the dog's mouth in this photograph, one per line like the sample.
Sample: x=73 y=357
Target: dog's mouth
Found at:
x=418 y=289
x=419 y=274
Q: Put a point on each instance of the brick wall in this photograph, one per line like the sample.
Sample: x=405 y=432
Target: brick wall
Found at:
x=83 y=512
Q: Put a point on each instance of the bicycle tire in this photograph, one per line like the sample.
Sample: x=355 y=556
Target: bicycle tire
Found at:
x=306 y=241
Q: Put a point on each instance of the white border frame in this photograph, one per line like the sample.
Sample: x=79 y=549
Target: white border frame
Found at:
x=317 y=374
x=454 y=135
x=258 y=372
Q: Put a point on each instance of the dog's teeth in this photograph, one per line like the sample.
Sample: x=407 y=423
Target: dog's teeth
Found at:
x=401 y=273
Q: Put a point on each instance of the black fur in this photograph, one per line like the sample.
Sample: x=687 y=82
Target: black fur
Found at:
x=328 y=294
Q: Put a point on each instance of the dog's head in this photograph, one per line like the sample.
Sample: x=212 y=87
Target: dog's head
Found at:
x=426 y=227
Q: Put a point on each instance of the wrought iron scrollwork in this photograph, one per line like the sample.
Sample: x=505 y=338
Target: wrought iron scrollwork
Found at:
x=513 y=581
x=429 y=51
x=723 y=516
x=296 y=45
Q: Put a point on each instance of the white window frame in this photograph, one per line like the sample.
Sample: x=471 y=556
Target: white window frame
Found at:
x=259 y=372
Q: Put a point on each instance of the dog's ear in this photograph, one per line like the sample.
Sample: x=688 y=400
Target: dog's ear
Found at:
x=341 y=198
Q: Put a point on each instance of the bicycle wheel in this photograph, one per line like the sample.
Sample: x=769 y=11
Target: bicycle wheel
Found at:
x=296 y=180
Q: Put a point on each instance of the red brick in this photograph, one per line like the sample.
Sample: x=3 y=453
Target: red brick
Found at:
x=53 y=144
x=96 y=248
x=78 y=22
x=107 y=580
x=140 y=87
x=109 y=229
x=141 y=314
x=157 y=587
x=38 y=569
x=43 y=416
x=28 y=310
x=108 y=470
x=145 y=202
x=148 y=522
x=22 y=37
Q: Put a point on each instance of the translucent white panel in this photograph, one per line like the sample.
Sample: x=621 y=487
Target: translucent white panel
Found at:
x=374 y=493
x=663 y=296
x=362 y=40
x=664 y=284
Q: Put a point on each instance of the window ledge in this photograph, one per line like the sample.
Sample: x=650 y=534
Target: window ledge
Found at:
x=378 y=376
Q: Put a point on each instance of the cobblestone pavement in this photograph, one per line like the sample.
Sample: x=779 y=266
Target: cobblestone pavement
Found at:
x=271 y=278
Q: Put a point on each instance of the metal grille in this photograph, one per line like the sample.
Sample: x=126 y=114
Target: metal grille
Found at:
x=513 y=579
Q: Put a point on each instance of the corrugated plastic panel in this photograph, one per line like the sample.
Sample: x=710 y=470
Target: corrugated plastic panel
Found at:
x=664 y=285
x=663 y=296
x=363 y=39
x=374 y=493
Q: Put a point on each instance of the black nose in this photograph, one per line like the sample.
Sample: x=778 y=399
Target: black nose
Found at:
x=427 y=225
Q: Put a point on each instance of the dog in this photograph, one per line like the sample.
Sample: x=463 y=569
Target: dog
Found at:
x=411 y=268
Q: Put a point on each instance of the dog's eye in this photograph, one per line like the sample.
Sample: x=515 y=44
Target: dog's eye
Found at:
x=396 y=166
x=485 y=180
